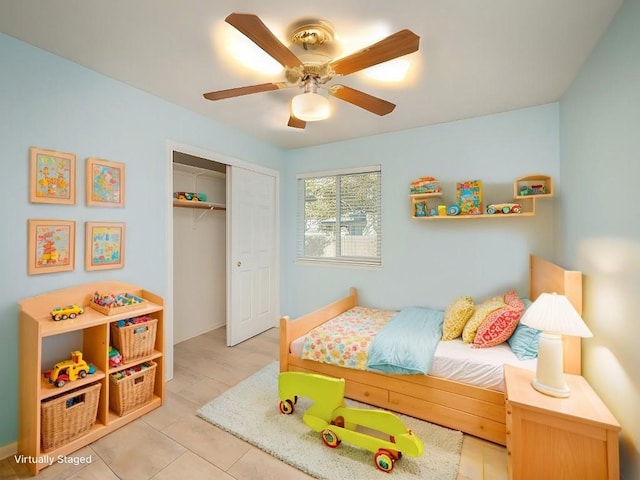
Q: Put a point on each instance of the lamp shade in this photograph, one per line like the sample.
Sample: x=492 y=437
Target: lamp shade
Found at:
x=310 y=107
x=553 y=313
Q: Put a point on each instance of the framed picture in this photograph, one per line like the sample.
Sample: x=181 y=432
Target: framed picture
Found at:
x=51 y=246
x=52 y=177
x=105 y=183
x=104 y=245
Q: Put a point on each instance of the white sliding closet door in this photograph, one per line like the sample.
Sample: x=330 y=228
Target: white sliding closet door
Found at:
x=251 y=230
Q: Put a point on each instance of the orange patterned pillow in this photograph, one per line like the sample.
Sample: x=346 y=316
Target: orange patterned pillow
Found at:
x=500 y=324
x=512 y=299
x=497 y=327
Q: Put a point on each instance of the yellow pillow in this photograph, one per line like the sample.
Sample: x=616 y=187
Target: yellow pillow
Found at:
x=481 y=312
x=456 y=316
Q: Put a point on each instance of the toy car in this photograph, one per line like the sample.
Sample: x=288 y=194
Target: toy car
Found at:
x=503 y=208
x=70 y=311
x=336 y=422
x=540 y=189
x=69 y=370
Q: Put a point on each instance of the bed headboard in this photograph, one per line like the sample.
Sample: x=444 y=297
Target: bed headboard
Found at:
x=545 y=276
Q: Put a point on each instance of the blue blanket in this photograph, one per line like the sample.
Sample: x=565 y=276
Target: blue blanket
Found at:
x=408 y=342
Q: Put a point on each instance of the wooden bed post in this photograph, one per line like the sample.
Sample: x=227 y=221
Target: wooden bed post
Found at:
x=284 y=344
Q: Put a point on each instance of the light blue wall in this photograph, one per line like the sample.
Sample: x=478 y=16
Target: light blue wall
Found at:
x=431 y=262
x=51 y=103
x=600 y=167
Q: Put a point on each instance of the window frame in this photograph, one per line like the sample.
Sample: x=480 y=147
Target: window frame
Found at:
x=350 y=261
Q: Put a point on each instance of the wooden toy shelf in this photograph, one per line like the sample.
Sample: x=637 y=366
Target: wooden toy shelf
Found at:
x=521 y=184
x=35 y=324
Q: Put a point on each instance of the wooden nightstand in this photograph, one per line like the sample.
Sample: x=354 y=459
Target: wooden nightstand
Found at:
x=559 y=438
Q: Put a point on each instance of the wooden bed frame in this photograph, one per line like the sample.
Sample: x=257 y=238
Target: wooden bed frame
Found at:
x=472 y=410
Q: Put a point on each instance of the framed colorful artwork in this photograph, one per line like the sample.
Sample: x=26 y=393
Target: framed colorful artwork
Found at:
x=52 y=177
x=104 y=245
x=51 y=246
x=105 y=183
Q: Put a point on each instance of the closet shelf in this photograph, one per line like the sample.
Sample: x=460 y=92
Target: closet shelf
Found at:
x=206 y=207
x=200 y=205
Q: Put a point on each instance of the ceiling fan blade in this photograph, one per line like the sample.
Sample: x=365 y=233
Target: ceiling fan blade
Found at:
x=363 y=100
x=253 y=28
x=296 y=122
x=239 y=91
x=394 y=46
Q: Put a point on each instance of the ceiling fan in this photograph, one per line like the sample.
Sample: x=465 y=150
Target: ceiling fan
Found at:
x=310 y=75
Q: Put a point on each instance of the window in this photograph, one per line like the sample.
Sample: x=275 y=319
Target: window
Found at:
x=339 y=216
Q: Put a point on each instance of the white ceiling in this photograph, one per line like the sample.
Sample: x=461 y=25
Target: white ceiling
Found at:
x=475 y=57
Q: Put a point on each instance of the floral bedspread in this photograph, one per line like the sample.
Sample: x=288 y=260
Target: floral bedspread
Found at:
x=345 y=339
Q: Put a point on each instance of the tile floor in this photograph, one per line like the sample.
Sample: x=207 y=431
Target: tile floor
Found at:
x=177 y=444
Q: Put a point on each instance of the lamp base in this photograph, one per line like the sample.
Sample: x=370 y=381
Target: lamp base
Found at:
x=552 y=391
x=549 y=377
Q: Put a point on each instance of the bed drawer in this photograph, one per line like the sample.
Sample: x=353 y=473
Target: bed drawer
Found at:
x=471 y=421
x=367 y=393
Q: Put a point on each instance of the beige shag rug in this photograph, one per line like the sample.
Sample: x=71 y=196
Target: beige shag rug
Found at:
x=249 y=411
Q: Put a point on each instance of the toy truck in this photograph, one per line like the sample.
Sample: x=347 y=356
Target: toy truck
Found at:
x=69 y=311
x=69 y=370
x=337 y=422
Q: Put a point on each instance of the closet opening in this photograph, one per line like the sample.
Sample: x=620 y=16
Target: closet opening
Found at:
x=199 y=246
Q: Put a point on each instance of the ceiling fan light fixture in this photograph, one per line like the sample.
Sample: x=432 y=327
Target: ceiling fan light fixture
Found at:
x=310 y=107
x=317 y=66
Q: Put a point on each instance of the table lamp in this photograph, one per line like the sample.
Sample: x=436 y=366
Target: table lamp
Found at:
x=555 y=316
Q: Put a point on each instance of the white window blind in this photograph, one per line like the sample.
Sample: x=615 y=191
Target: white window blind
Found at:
x=339 y=216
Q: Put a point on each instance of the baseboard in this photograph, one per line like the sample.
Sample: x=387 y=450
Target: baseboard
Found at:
x=209 y=329
x=8 y=450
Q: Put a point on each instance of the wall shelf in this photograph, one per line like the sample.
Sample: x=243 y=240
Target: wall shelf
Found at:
x=470 y=217
x=536 y=186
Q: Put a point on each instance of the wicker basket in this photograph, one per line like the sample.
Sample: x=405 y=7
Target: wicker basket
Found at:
x=68 y=416
x=130 y=392
x=135 y=341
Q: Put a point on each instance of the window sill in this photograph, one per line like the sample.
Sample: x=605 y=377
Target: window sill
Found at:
x=326 y=262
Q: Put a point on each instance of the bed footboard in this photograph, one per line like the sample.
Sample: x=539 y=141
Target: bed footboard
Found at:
x=290 y=330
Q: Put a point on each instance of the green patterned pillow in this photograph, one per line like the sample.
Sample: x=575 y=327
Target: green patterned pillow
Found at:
x=456 y=316
x=481 y=312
